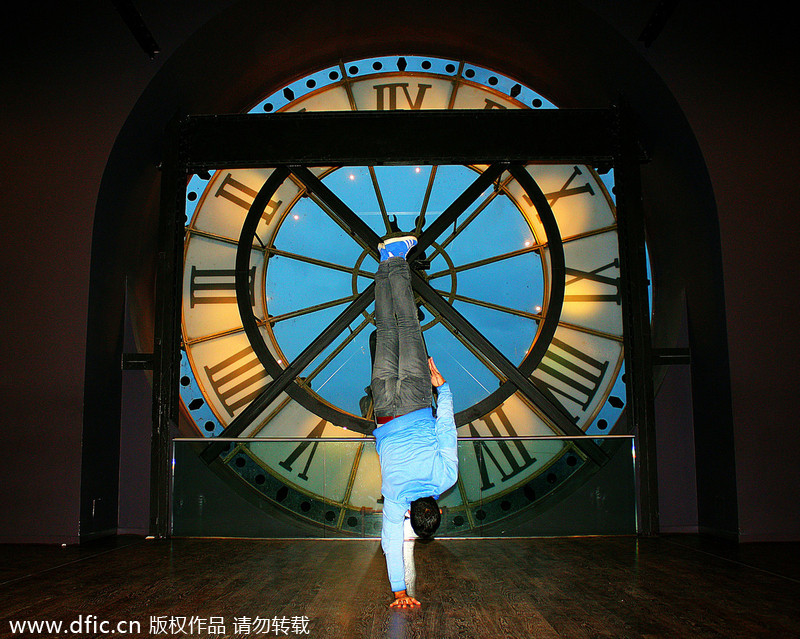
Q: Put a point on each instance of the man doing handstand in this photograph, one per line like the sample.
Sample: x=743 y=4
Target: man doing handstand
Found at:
x=417 y=451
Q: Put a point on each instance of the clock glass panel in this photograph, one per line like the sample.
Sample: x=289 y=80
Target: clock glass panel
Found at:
x=493 y=265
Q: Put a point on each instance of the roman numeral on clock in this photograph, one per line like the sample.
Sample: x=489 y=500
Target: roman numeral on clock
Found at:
x=512 y=457
x=573 y=375
x=242 y=195
x=491 y=104
x=595 y=276
x=566 y=190
x=287 y=463
x=388 y=94
x=237 y=380
x=216 y=286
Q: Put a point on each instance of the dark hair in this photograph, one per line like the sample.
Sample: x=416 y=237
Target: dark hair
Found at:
x=425 y=517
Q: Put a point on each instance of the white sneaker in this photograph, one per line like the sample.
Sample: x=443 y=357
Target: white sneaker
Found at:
x=396 y=246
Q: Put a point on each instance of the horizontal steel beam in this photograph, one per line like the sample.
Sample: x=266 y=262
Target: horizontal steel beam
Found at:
x=398 y=137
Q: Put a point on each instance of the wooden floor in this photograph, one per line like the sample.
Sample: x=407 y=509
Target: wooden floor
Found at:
x=583 y=587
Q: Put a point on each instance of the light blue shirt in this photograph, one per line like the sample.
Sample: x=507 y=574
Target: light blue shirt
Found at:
x=419 y=458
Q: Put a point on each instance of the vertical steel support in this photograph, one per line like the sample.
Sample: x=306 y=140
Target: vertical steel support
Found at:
x=636 y=317
x=166 y=347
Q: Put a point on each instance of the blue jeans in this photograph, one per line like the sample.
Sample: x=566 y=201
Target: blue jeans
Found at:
x=401 y=379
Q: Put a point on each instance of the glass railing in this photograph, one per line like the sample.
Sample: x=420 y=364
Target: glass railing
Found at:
x=312 y=488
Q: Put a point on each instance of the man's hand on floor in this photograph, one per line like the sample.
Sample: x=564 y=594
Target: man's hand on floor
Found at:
x=403 y=600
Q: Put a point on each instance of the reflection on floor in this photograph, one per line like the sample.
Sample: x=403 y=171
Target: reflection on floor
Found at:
x=616 y=587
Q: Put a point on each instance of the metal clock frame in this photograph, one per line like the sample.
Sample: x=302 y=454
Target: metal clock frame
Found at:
x=504 y=140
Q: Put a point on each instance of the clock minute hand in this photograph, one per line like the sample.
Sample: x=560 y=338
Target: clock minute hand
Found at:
x=451 y=213
x=288 y=375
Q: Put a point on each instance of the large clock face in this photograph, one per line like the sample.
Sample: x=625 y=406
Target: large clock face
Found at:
x=562 y=327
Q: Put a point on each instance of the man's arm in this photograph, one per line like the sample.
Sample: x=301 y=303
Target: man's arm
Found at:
x=392 y=538
x=445 y=428
x=444 y=406
x=392 y=535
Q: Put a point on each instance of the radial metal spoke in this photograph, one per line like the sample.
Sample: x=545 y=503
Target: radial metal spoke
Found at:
x=326 y=208
x=489 y=260
x=425 y=200
x=330 y=213
x=304 y=381
x=209 y=337
x=495 y=307
x=378 y=195
x=351 y=480
x=274 y=319
x=317 y=262
x=592 y=233
x=219 y=238
x=466 y=344
x=591 y=331
x=464 y=224
x=346 y=84
x=465 y=500
x=274 y=413
x=505 y=256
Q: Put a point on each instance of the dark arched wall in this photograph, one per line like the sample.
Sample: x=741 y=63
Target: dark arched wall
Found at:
x=558 y=47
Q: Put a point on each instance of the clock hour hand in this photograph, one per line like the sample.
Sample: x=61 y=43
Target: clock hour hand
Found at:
x=330 y=202
x=521 y=381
